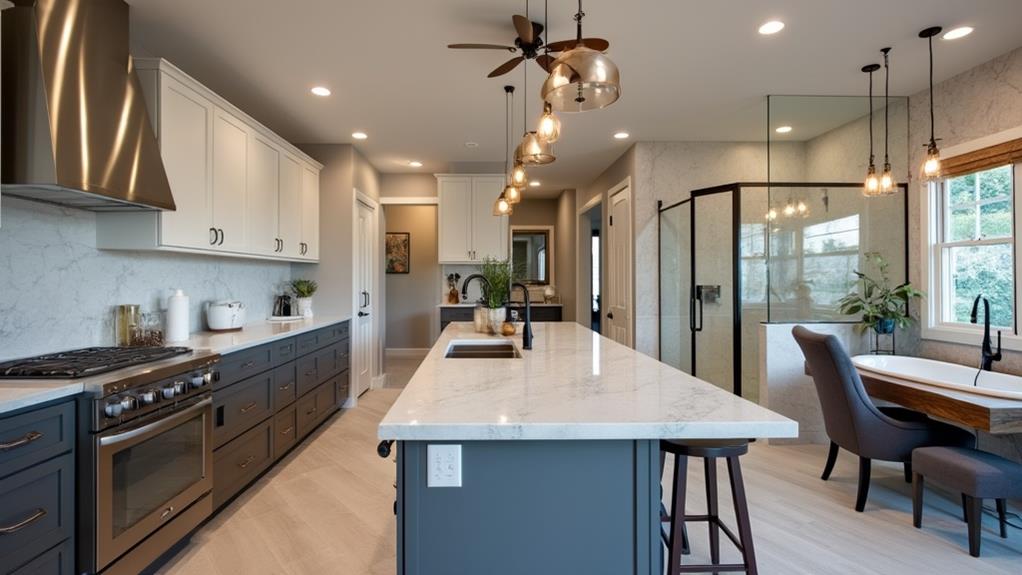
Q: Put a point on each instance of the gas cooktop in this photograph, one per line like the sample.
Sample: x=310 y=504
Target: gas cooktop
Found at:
x=84 y=362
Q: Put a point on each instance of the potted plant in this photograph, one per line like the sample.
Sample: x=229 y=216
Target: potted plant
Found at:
x=498 y=290
x=303 y=290
x=882 y=306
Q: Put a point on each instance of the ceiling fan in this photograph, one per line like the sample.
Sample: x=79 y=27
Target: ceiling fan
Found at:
x=528 y=42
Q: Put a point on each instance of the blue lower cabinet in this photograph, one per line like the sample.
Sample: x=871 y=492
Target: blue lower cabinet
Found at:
x=59 y=560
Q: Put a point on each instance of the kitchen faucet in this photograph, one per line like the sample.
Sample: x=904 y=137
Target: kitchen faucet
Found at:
x=527 y=330
x=468 y=280
x=988 y=356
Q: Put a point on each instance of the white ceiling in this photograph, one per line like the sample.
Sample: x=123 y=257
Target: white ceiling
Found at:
x=691 y=71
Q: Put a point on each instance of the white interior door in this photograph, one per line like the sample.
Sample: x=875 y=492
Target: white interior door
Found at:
x=365 y=297
x=619 y=268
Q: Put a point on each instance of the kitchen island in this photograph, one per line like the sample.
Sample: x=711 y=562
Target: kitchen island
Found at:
x=555 y=466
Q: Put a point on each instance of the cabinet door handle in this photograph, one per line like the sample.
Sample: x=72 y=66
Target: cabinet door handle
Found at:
x=221 y=242
x=212 y=236
x=247 y=364
x=39 y=514
x=311 y=411
x=23 y=440
x=284 y=387
x=249 y=407
x=248 y=461
x=288 y=430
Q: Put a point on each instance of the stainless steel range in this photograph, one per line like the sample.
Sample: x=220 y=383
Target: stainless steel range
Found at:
x=145 y=448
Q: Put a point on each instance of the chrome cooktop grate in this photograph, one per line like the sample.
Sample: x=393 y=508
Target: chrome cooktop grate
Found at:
x=84 y=362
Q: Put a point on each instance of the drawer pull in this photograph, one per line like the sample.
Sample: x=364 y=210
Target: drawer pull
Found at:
x=310 y=373
x=39 y=514
x=284 y=387
x=249 y=407
x=24 y=440
x=247 y=364
x=248 y=461
x=167 y=512
x=288 y=430
x=311 y=411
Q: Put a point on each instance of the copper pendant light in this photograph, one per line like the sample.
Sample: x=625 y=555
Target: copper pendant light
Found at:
x=533 y=149
x=582 y=79
x=930 y=170
x=502 y=205
x=872 y=184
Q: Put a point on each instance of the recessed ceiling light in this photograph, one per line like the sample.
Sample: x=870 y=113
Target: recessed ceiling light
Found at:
x=359 y=135
x=621 y=135
x=415 y=164
x=771 y=27
x=471 y=144
x=320 y=90
x=960 y=32
x=783 y=129
x=534 y=183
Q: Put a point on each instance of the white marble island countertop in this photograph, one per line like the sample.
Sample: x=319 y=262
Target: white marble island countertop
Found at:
x=573 y=384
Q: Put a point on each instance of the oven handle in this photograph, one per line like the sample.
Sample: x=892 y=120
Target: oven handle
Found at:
x=157 y=426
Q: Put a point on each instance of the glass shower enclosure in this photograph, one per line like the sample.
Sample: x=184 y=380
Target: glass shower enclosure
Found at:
x=740 y=254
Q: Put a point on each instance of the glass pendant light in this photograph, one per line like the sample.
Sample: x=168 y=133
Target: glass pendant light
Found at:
x=582 y=79
x=549 y=129
x=930 y=170
x=518 y=176
x=502 y=205
x=872 y=184
x=887 y=184
x=533 y=149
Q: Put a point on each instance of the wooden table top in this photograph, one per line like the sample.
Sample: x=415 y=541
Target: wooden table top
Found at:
x=990 y=414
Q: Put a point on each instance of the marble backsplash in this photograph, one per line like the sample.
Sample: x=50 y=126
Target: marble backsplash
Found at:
x=57 y=291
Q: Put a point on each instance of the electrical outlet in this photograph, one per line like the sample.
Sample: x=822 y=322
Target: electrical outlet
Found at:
x=444 y=468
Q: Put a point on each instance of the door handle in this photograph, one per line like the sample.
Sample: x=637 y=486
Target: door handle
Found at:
x=700 y=300
x=610 y=315
x=692 y=314
x=362 y=314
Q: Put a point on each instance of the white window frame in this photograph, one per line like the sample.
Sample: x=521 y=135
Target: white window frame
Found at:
x=931 y=217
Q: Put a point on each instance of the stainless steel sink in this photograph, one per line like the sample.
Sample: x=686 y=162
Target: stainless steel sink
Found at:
x=482 y=349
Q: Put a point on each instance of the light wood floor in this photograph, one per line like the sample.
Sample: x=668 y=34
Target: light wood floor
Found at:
x=327 y=508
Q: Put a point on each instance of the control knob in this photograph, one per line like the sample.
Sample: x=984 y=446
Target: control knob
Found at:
x=129 y=403
x=149 y=396
x=113 y=408
x=168 y=391
x=201 y=380
x=180 y=387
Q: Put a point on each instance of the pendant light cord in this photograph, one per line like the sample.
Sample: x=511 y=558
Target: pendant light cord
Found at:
x=932 y=121
x=509 y=96
x=887 y=109
x=871 y=118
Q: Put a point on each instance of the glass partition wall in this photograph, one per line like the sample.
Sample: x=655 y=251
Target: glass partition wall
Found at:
x=784 y=250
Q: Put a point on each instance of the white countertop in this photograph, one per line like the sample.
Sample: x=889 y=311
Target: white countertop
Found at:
x=256 y=333
x=20 y=393
x=472 y=304
x=573 y=384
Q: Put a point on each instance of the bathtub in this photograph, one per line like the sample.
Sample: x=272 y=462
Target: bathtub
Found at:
x=940 y=374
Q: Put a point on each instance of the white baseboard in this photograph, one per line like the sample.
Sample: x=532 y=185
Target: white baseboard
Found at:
x=406 y=352
x=378 y=381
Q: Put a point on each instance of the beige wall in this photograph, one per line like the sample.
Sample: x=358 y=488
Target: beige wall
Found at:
x=565 y=266
x=535 y=213
x=412 y=297
x=408 y=186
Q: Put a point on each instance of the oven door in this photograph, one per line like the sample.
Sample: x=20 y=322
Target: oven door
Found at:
x=147 y=474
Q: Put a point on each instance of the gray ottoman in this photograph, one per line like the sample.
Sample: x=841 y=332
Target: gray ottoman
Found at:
x=976 y=474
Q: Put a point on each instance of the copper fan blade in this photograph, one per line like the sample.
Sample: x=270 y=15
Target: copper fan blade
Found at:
x=524 y=28
x=505 y=67
x=598 y=44
x=481 y=47
x=545 y=61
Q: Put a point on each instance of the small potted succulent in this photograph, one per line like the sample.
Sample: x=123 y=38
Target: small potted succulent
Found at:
x=498 y=278
x=882 y=306
x=303 y=290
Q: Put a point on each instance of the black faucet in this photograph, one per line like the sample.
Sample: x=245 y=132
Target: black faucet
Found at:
x=988 y=356
x=527 y=330
x=468 y=280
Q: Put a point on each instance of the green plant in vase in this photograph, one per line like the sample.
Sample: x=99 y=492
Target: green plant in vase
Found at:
x=303 y=290
x=882 y=306
x=497 y=292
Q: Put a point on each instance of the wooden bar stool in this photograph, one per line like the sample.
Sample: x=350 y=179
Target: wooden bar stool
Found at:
x=710 y=451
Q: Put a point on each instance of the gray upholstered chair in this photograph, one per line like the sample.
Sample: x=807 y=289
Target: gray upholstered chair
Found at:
x=855 y=424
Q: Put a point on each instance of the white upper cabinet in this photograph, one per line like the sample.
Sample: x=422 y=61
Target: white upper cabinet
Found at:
x=262 y=208
x=240 y=189
x=185 y=119
x=289 y=206
x=489 y=232
x=468 y=230
x=309 y=248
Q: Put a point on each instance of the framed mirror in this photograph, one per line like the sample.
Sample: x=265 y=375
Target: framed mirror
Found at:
x=532 y=254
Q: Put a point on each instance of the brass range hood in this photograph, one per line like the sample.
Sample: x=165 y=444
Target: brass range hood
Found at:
x=75 y=127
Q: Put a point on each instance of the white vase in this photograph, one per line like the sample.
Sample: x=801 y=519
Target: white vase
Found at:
x=305 y=306
x=495 y=319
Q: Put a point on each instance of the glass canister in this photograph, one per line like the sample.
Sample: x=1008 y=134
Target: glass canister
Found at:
x=129 y=316
x=480 y=319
